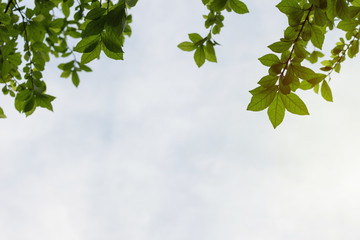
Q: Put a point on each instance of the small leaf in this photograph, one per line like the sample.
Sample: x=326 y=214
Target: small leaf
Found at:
x=269 y=60
x=280 y=47
x=210 y=52
x=199 y=56
x=94 y=27
x=87 y=44
x=195 y=37
x=317 y=37
x=326 y=91
x=276 y=111
x=88 y=57
x=2 y=114
x=238 y=6
x=131 y=3
x=75 y=78
x=303 y=72
x=268 y=81
x=262 y=99
x=294 y=104
x=95 y=13
x=187 y=46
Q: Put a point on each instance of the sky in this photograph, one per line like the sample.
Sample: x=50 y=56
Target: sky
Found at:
x=154 y=148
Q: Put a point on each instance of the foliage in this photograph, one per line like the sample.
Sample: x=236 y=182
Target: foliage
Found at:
x=102 y=26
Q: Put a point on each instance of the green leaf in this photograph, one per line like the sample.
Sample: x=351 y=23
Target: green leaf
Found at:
x=276 y=111
x=262 y=99
x=268 y=81
x=112 y=42
x=210 y=52
x=317 y=36
x=44 y=101
x=326 y=91
x=116 y=17
x=238 y=6
x=280 y=47
x=348 y=25
x=75 y=78
x=217 y=5
x=94 y=27
x=112 y=55
x=87 y=44
x=294 y=104
x=269 y=60
x=289 y=6
x=199 y=56
x=195 y=37
x=88 y=57
x=95 y=13
x=342 y=9
x=187 y=46
x=2 y=114
x=131 y=3
x=303 y=72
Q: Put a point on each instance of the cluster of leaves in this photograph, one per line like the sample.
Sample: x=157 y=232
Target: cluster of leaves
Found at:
x=309 y=20
x=99 y=26
x=204 y=46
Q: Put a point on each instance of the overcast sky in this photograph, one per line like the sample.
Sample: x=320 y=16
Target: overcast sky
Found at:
x=153 y=148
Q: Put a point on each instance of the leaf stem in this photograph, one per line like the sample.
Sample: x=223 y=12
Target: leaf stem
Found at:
x=296 y=39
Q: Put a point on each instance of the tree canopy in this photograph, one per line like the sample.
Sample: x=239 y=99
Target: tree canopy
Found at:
x=80 y=30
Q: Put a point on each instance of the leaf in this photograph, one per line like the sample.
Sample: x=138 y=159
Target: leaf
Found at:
x=2 y=114
x=195 y=37
x=317 y=37
x=217 y=5
x=269 y=59
x=268 y=81
x=94 y=27
x=95 y=13
x=326 y=91
x=44 y=101
x=348 y=25
x=199 y=56
x=303 y=72
x=276 y=111
x=131 y=3
x=288 y=6
x=112 y=42
x=280 y=47
x=294 y=104
x=210 y=52
x=238 y=6
x=262 y=99
x=75 y=78
x=87 y=44
x=88 y=57
x=112 y=55
x=187 y=46
x=116 y=17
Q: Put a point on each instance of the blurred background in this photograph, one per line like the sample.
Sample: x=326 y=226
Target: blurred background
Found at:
x=153 y=148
